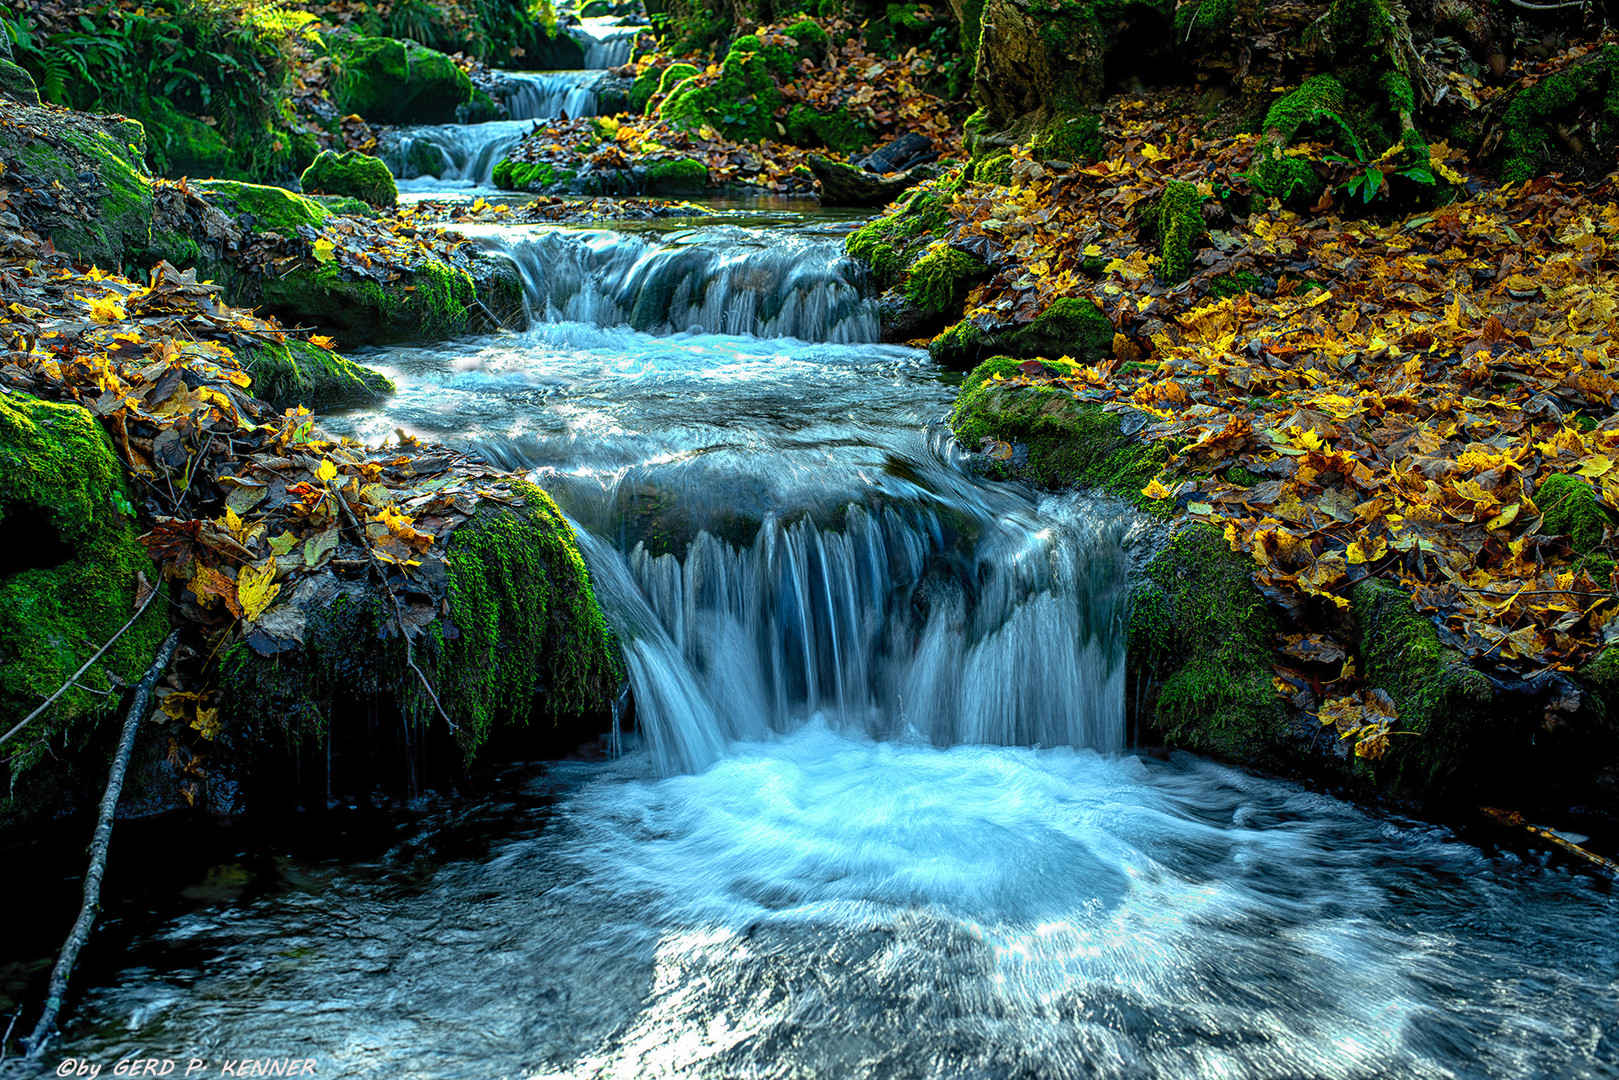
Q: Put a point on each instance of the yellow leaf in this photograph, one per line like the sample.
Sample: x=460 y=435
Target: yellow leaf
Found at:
x=1368 y=550
x=326 y=473
x=256 y=588
x=325 y=251
x=1155 y=490
x=1505 y=517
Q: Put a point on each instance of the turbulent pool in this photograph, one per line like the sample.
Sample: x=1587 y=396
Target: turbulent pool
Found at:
x=878 y=815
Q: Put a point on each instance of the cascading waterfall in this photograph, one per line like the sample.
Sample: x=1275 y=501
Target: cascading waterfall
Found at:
x=897 y=624
x=610 y=51
x=724 y=280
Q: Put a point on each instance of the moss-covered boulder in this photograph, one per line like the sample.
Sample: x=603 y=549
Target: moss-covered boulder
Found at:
x=675 y=177
x=16 y=84
x=1070 y=326
x=1051 y=438
x=938 y=283
x=293 y=372
x=1178 y=221
x=654 y=84
x=396 y=82
x=529 y=645
x=1201 y=646
x=70 y=563
x=353 y=174
x=741 y=101
x=1450 y=706
x=99 y=160
x=1569 y=507
x=434 y=300
x=1537 y=118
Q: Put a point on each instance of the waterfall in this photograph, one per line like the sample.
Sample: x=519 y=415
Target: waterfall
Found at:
x=610 y=51
x=542 y=95
x=723 y=280
x=902 y=623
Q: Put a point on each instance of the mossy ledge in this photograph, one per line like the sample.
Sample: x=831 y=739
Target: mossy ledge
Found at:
x=68 y=582
x=529 y=647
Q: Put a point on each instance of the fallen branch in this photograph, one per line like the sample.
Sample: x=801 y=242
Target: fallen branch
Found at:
x=75 y=676
x=35 y=1043
x=1512 y=819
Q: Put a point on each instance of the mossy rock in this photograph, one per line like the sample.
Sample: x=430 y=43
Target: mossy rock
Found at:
x=530 y=645
x=1530 y=126
x=644 y=88
x=742 y=101
x=1569 y=507
x=16 y=84
x=1201 y=639
x=512 y=175
x=1444 y=701
x=264 y=207
x=938 y=283
x=1057 y=439
x=1178 y=219
x=112 y=154
x=1070 y=138
x=681 y=176
x=671 y=77
x=294 y=372
x=396 y=82
x=68 y=578
x=1071 y=327
x=837 y=130
x=1318 y=107
x=353 y=174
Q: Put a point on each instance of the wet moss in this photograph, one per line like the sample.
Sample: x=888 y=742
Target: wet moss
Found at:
x=680 y=176
x=1179 y=220
x=396 y=82
x=1201 y=641
x=1070 y=138
x=1058 y=440
x=1071 y=327
x=68 y=576
x=291 y=373
x=512 y=175
x=837 y=130
x=1439 y=697
x=1532 y=118
x=351 y=173
x=742 y=101
x=996 y=169
x=1204 y=22
x=664 y=83
x=1320 y=103
x=265 y=208
x=938 y=282
x=1570 y=508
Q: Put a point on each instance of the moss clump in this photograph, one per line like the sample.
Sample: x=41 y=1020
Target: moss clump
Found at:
x=16 y=84
x=432 y=301
x=67 y=575
x=1068 y=442
x=643 y=89
x=741 y=101
x=1201 y=637
x=1229 y=285
x=523 y=175
x=663 y=84
x=1569 y=507
x=1438 y=696
x=264 y=208
x=351 y=173
x=294 y=372
x=396 y=82
x=1532 y=118
x=993 y=170
x=529 y=646
x=1320 y=105
x=1205 y=22
x=837 y=130
x=681 y=176
x=938 y=282
x=813 y=42
x=1071 y=327
x=1070 y=138
x=1179 y=221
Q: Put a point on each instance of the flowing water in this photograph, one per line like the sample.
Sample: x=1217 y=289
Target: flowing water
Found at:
x=878 y=816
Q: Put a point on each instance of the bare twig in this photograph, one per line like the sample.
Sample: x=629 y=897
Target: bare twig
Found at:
x=5 y=1040
x=35 y=1043
x=75 y=676
x=410 y=652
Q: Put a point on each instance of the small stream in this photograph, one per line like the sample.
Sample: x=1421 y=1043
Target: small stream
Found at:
x=878 y=816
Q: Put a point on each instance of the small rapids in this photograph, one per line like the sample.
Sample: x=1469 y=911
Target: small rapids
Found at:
x=877 y=818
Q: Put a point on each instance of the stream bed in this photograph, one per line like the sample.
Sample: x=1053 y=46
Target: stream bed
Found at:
x=878 y=815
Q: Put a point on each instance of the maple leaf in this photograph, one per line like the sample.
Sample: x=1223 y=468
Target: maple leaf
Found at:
x=256 y=588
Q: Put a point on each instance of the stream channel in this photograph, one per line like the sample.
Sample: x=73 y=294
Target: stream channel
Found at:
x=878 y=815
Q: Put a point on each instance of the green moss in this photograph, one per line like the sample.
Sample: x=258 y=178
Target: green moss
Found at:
x=871 y=244
x=1318 y=106
x=1071 y=327
x=1205 y=22
x=681 y=176
x=1178 y=218
x=1070 y=138
x=351 y=173
x=533 y=643
x=1570 y=508
x=643 y=89
x=1070 y=443
x=1445 y=702
x=523 y=175
x=67 y=575
x=741 y=102
x=120 y=190
x=1228 y=285
x=432 y=301
x=294 y=372
x=837 y=130
x=1532 y=118
x=396 y=82
x=938 y=282
x=1200 y=641
x=663 y=83
x=996 y=169
x=268 y=209
x=959 y=346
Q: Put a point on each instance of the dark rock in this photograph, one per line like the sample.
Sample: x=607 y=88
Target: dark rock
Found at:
x=843 y=184
x=905 y=152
